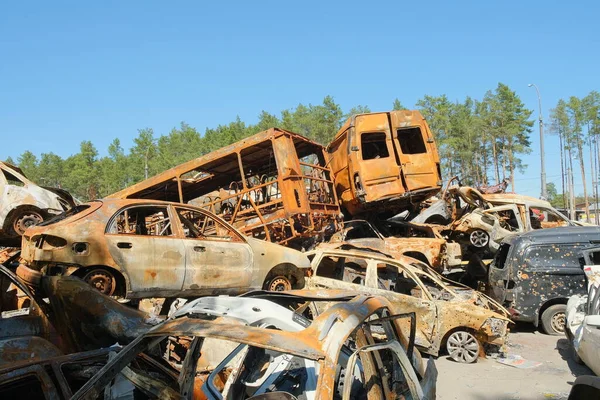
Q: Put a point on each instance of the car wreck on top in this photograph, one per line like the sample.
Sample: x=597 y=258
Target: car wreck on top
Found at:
x=384 y=162
x=24 y=204
x=149 y=248
x=450 y=316
x=479 y=222
x=274 y=186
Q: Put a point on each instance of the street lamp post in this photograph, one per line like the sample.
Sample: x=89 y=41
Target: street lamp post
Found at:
x=541 y=121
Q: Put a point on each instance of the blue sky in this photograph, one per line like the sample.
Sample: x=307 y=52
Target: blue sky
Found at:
x=73 y=71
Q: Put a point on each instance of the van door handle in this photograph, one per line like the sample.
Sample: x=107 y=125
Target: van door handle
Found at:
x=124 y=245
x=200 y=249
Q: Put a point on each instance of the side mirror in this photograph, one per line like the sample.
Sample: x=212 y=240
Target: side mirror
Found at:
x=354 y=148
x=593 y=320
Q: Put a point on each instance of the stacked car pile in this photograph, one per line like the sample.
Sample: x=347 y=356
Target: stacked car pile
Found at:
x=345 y=318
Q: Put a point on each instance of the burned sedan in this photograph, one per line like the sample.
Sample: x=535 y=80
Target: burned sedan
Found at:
x=24 y=204
x=354 y=350
x=148 y=248
x=449 y=315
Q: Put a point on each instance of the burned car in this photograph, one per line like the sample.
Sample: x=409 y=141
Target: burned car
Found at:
x=582 y=316
x=481 y=221
x=534 y=274
x=354 y=350
x=24 y=204
x=384 y=161
x=147 y=248
x=449 y=316
x=436 y=252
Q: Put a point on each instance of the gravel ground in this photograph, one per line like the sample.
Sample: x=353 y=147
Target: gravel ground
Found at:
x=488 y=379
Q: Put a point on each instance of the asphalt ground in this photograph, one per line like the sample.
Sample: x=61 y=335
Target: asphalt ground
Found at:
x=489 y=379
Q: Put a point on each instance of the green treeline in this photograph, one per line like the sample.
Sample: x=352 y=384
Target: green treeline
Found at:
x=479 y=140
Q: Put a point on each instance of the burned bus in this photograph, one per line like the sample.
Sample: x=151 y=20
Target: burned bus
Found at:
x=274 y=185
x=384 y=162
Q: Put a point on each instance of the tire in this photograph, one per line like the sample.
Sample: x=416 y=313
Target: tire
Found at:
x=463 y=347
x=102 y=280
x=553 y=319
x=279 y=284
x=23 y=219
x=479 y=238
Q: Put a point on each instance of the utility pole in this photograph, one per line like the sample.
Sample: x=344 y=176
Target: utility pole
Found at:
x=541 y=123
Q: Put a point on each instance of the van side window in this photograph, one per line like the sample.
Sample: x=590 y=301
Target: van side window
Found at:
x=374 y=145
x=411 y=140
x=553 y=256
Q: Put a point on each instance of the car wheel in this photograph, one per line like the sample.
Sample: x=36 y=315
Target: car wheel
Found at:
x=553 y=319
x=463 y=347
x=479 y=238
x=279 y=284
x=102 y=280
x=23 y=220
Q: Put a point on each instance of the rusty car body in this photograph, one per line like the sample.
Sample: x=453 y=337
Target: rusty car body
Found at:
x=534 y=274
x=436 y=252
x=384 y=161
x=23 y=203
x=448 y=314
x=147 y=248
x=481 y=221
x=354 y=350
x=274 y=186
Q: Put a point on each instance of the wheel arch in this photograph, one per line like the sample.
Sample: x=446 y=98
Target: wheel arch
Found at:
x=557 y=300
x=122 y=279
x=289 y=270
x=6 y=225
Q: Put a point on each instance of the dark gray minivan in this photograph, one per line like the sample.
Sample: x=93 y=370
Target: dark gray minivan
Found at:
x=533 y=274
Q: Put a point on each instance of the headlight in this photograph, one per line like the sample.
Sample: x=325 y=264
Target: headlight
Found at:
x=496 y=325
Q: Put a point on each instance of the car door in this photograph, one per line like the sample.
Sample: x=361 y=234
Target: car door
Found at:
x=407 y=292
x=216 y=256
x=375 y=170
x=416 y=150
x=142 y=241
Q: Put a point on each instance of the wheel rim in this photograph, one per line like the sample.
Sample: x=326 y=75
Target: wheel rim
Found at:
x=101 y=280
x=25 y=221
x=558 y=322
x=479 y=238
x=280 y=284
x=463 y=347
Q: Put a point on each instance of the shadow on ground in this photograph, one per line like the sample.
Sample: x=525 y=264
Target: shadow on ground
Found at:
x=565 y=349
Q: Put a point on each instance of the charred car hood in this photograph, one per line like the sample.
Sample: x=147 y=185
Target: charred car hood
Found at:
x=472 y=296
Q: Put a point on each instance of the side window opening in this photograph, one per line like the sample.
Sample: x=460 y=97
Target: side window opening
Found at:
x=389 y=277
x=197 y=225
x=142 y=220
x=374 y=145
x=411 y=140
x=352 y=270
x=11 y=179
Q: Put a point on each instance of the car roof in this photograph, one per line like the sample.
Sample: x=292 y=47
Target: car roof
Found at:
x=564 y=234
x=513 y=198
